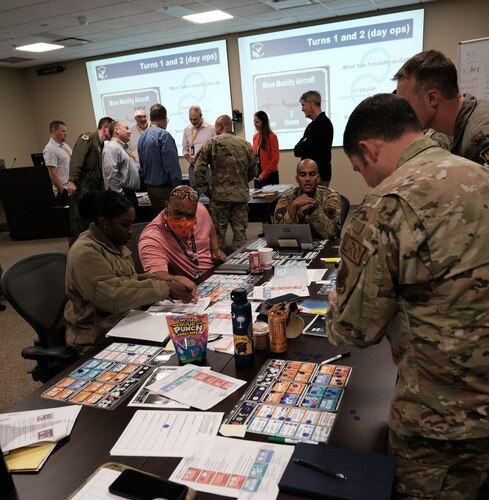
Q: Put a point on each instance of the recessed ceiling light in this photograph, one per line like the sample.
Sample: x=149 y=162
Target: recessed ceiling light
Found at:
x=39 y=47
x=208 y=17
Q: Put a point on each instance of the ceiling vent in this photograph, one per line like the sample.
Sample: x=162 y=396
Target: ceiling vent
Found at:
x=287 y=4
x=71 y=42
x=15 y=60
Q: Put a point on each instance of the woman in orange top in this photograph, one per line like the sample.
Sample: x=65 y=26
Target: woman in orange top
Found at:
x=265 y=147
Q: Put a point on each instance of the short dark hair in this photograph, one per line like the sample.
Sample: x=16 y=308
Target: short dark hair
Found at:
x=382 y=116
x=431 y=69
x=108 y=204
x=157 y=112
x=113 y=126
x=106 y=120
x=55 y=124
x=311 y=95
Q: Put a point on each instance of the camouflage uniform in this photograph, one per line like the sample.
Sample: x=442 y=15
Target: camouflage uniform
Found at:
x=232 y=165
x=471 y=134
x=86 y=173
x=324 y=218
x=442 y=140
x=415 y=268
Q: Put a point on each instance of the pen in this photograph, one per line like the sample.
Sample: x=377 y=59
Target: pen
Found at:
x=213 y=338
x=334 y=358
x=276 y=439
x=319 y=468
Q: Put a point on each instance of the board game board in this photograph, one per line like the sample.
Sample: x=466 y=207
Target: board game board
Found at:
x=292 y=399
x=106 y=379
x=219 y=286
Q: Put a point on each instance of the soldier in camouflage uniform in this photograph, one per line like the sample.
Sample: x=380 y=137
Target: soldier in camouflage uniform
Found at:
x=415 y=268
x=86 y=171
x=232 y=165
x=429 y=82
x=310 y=203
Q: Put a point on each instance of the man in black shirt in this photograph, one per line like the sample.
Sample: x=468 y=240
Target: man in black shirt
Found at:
x=318 y=136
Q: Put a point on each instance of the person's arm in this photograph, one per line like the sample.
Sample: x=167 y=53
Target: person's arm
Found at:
x=111 y=158
x=55 y=180
x=169 y=156
x=187 y=283
x=217 y=254
x=203 y=159
x=186 y=148
x=80 y=152
x=94 y=278
x=273 y=156
x=252 y=165
x=325 y=219
x=366 y=296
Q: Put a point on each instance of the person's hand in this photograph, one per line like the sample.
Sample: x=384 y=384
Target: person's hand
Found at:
x=187 y=283
x=71 y=187
x=218 y=256
x=177 y=291
x=332 y=295
x=306 y=207
x=300 y=204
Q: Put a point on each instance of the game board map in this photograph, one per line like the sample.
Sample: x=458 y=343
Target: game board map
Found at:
x=292 y=399
x=108 y=377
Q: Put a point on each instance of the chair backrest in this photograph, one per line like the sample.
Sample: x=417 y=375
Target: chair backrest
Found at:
x=345 y=209
x=35 y=287
x=137 y=229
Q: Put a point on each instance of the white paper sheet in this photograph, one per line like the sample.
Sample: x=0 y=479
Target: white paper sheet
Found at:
x=239 y=469
x=171 y=306
x=26 y=428
x=141 y=325
x=197 y=387
x=156 y=433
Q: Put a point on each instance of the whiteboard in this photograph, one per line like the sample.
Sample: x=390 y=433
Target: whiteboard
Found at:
x=473 y=67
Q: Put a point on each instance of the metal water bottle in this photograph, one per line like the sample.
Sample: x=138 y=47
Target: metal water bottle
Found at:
x=244 y=352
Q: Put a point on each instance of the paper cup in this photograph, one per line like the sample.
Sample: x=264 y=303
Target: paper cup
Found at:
x=266 y=257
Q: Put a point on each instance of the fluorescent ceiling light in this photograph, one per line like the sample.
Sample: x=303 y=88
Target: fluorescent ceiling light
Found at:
x=39 y=47
x=208 y=17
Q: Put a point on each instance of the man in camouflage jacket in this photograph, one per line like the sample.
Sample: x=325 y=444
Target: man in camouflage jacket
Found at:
x=310 y=203
x=232 y=165
x=415 y=269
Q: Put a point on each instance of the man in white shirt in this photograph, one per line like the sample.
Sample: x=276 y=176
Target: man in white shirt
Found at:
x=121 y=173
x=57 y=156
x=195 y=136
x=136 y=130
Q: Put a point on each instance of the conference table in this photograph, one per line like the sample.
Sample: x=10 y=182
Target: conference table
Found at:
x=361 y=423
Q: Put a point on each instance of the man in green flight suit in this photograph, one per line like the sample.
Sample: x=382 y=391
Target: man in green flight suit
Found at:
x=86 y=171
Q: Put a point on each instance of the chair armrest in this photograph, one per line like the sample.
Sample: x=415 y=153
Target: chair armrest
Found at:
x=63 y=354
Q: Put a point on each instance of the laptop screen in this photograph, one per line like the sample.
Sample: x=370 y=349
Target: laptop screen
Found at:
x=38 y=159
x=281 y=236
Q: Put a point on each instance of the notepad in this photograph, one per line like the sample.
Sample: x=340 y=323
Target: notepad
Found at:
x=370 y=476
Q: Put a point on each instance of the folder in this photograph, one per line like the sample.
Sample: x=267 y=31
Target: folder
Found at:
x=369 y=476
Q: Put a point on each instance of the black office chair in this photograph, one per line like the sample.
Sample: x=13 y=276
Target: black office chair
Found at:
x=345 y=209
x=35 y=287
x=137 y=229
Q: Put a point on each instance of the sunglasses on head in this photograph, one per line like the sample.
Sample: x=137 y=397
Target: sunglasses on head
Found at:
x=182 y=194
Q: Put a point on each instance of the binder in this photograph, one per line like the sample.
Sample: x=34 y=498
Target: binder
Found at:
x=369 y=476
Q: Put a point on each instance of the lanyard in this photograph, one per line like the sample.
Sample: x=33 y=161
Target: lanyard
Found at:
x=66 y=150
x=195 y=258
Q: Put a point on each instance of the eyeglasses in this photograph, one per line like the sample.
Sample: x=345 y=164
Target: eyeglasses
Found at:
x=182 y=194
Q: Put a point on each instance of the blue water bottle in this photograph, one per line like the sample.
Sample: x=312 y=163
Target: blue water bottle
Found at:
x=244 y=352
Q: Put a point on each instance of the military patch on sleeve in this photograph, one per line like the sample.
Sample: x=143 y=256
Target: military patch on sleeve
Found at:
x=352 y=249
x=280 y=213
x=85 y=136
x=480 y=136
x=341 y=278
x=484 y=154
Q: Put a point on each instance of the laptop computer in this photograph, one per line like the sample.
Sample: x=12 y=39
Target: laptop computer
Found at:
x=288 y=238
x=38 y=159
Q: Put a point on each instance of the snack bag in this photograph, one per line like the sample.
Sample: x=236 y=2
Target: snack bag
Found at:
x=188 y=333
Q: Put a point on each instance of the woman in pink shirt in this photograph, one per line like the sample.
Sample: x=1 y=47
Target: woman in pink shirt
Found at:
x=265 y=147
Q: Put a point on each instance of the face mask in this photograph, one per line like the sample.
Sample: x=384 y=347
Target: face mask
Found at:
x=181 y=227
